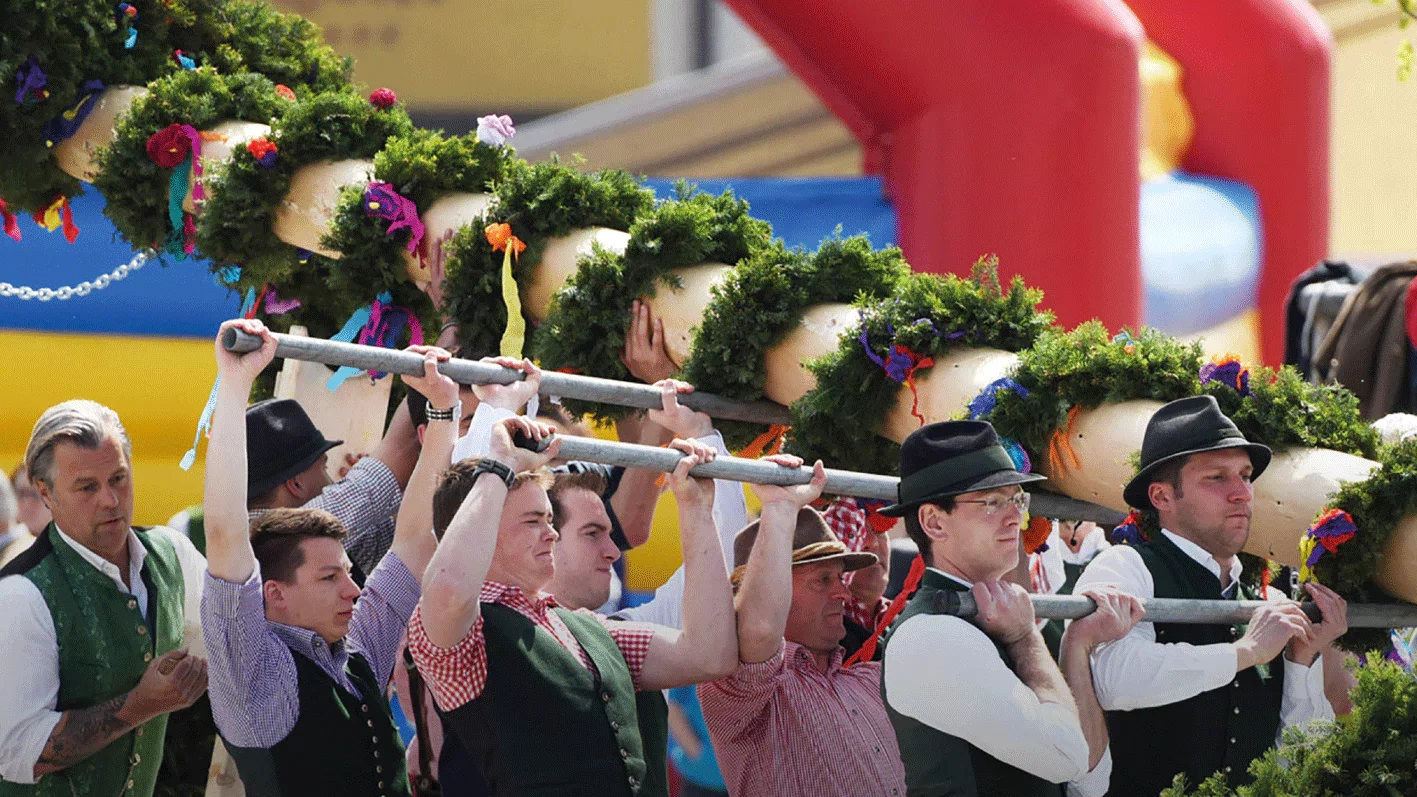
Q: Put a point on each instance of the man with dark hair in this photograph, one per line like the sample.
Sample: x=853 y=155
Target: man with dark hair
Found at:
x=506 y=664
x=94 y=634
x=981 y=708
x=300 y=656
x=1200 y=699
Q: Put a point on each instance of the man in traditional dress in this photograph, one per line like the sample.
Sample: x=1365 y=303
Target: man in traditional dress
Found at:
x=300 y=655
x=94 y=620
x=981 y=708
x=1200 y=699
x=543 y=696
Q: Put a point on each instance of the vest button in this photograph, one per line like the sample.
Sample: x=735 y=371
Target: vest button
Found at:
x=1227 y=770
x=374 y=739
x=1237 y=709
x=139 y=731
x=614 y=725
x=147 y=655
x=371 y=723
x=132 y=604
x=605 y=696
x=1232 y=739
x=364 y=708
x=129 y=787
x=625 y=754
x=135 y=759
x=381 y=785
x=379 y=770
x=142 y=629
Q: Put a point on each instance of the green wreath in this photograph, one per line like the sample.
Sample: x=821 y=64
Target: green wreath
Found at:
x=134 y=188
x=585 y=328
x=773 y=286
x=932 y=316
x=540 y=201
x=422 y=167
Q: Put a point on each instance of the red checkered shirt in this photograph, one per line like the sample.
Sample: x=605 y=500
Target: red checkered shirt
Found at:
x=457 y=675
x=783 y=727
x=848 y=522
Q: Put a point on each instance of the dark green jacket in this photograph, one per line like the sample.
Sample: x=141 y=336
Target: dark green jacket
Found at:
x=936 y=763
x=105 y=645
x=1220 y=730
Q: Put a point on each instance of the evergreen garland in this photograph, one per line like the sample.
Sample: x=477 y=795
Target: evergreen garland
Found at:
x=585 y=328
x=540 y=201
x=771 y=289
x=933 y=316
x=1086 y=368
x=422 y=166
x=1370 y=753
x=135 y=189
x=1282 y=410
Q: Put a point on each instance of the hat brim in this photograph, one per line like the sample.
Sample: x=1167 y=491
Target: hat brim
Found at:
x=852 y=560
x=265 y=485
x=989 y=481
x=1136 y=491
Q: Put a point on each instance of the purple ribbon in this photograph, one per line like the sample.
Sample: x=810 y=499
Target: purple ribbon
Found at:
x=382 y=201
x=1229 y=373
x=1022 y=463
x=31 y=79
x=66 y=124
x=278 y=306
x=1338 y=525
x=386 y=325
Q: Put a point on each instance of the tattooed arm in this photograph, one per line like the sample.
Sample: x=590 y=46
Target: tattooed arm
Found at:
x=171 y=682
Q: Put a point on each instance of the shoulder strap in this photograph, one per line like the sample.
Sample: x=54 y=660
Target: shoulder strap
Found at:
x=424 y=783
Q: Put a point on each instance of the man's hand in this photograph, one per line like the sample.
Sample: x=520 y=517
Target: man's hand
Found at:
x=692 y=490
x=171 y=682
x=644 y=353
x=514 y=396
x=440 y=390
x=1005 y=612
x=1271 y=627
x=1116 y=615
x=244 y=368
x=675 y=417
x=1334 y=625
x=798 y=495
x=521 y=460
x=350 y=460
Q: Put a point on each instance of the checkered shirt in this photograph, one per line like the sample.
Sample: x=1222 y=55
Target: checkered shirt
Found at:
x=366 y=503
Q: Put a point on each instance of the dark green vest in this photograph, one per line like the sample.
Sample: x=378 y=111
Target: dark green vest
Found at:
x=1220 y=730
x=545 y=726
x=342 y=743
x=936 y=763
x=105 y=644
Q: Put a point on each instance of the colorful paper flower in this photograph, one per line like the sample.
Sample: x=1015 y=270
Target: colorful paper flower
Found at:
x=30 y=82
x=1128 y=532
x=185 y=61
x=284 y=92
x=170 y=146
x=383 y=99
x=1229 y=372
x=495 y=130
x=1330 y=530
x=264 y=151
x=900 y=364
x=58 y=216
x=500 y=236
x=383 y=202
x=128 y=17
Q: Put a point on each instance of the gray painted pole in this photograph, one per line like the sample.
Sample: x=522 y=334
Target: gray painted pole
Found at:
x=472 y=372
x=1178 y=610
x=839 y=482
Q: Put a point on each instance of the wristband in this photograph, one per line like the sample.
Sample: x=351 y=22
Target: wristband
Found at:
x=449 y=414
x=495 y=468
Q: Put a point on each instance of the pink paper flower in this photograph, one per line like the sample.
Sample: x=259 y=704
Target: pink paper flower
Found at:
x=495 y=131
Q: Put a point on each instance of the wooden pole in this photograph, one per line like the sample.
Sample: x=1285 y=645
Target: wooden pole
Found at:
x=1180 y=610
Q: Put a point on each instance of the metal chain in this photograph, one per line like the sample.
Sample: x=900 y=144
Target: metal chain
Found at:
x=83 y=288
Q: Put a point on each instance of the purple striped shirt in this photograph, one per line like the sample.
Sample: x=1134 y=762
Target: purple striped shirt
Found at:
x=366 y=503
x=250 y=660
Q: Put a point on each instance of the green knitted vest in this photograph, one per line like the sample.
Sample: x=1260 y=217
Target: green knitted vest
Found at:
x=342 y=743
x=105 y=644
x=546 y=726
x=936 y=763
x=1220 y=730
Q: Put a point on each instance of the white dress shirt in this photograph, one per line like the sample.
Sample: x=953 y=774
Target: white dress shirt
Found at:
x=730 y=515
x=30 y=654
x=946 y=673
x=1138 y=672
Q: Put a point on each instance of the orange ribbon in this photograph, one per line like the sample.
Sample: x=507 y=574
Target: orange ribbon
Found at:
x=912 y=582
x=1059 y=446
x=767 y=443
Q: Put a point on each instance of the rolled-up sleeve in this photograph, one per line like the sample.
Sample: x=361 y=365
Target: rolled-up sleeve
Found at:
x=381 y=615
x=29 y=658
x=250 y=672
x=734 y=704
x=1304 y=700
x=981 y=701
x=1096 y=782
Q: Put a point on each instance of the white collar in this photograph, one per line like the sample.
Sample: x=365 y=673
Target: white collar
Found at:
x=1203 y=557
x=955 y=579
x=1092 y=545
x=137 y=554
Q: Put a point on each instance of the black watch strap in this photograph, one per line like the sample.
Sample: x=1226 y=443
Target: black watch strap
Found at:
x=496 y=468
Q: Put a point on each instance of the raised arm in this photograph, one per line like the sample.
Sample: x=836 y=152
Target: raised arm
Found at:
x=765 y=595
x=414 y=541
x=229 y=554
x=707 y=647
x=453 y=579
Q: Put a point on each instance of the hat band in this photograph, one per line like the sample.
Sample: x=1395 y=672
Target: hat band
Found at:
x=931 y=480
x=814 y=550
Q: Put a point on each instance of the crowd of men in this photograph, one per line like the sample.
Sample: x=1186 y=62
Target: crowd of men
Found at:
x=467 y=567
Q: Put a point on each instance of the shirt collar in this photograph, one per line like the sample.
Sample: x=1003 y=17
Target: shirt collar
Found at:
x=137 y=554
x=312 y=645
x=1203 y=557
x=795 y=655
x=955 y=579
x=508 y=594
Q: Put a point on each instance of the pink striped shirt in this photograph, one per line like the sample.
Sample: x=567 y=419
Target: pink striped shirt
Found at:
x=782 y=728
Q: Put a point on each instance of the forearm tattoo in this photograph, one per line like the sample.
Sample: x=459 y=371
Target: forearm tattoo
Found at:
x=81 y=733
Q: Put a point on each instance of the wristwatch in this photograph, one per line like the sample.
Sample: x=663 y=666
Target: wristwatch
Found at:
x=492 y=466
x=449 y=414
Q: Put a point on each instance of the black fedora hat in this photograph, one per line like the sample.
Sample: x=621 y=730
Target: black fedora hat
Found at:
x=950 y=458
x=1184 y=427
x=281 y=441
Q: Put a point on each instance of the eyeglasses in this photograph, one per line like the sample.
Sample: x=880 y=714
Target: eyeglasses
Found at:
x=994 y=503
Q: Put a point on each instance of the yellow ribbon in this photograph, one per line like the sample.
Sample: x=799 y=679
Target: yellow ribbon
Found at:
x=1306 y=547
x=53 y=219
x=515 y=335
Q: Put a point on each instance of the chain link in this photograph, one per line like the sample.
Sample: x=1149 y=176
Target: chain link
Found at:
x=83 y=288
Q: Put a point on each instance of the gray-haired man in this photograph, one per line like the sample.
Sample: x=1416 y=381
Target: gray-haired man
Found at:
x=94 y=621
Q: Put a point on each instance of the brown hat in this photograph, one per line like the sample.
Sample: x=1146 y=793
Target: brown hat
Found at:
x=812 y=542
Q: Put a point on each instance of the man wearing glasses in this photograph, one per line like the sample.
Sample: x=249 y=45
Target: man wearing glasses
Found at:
x=979 y=707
